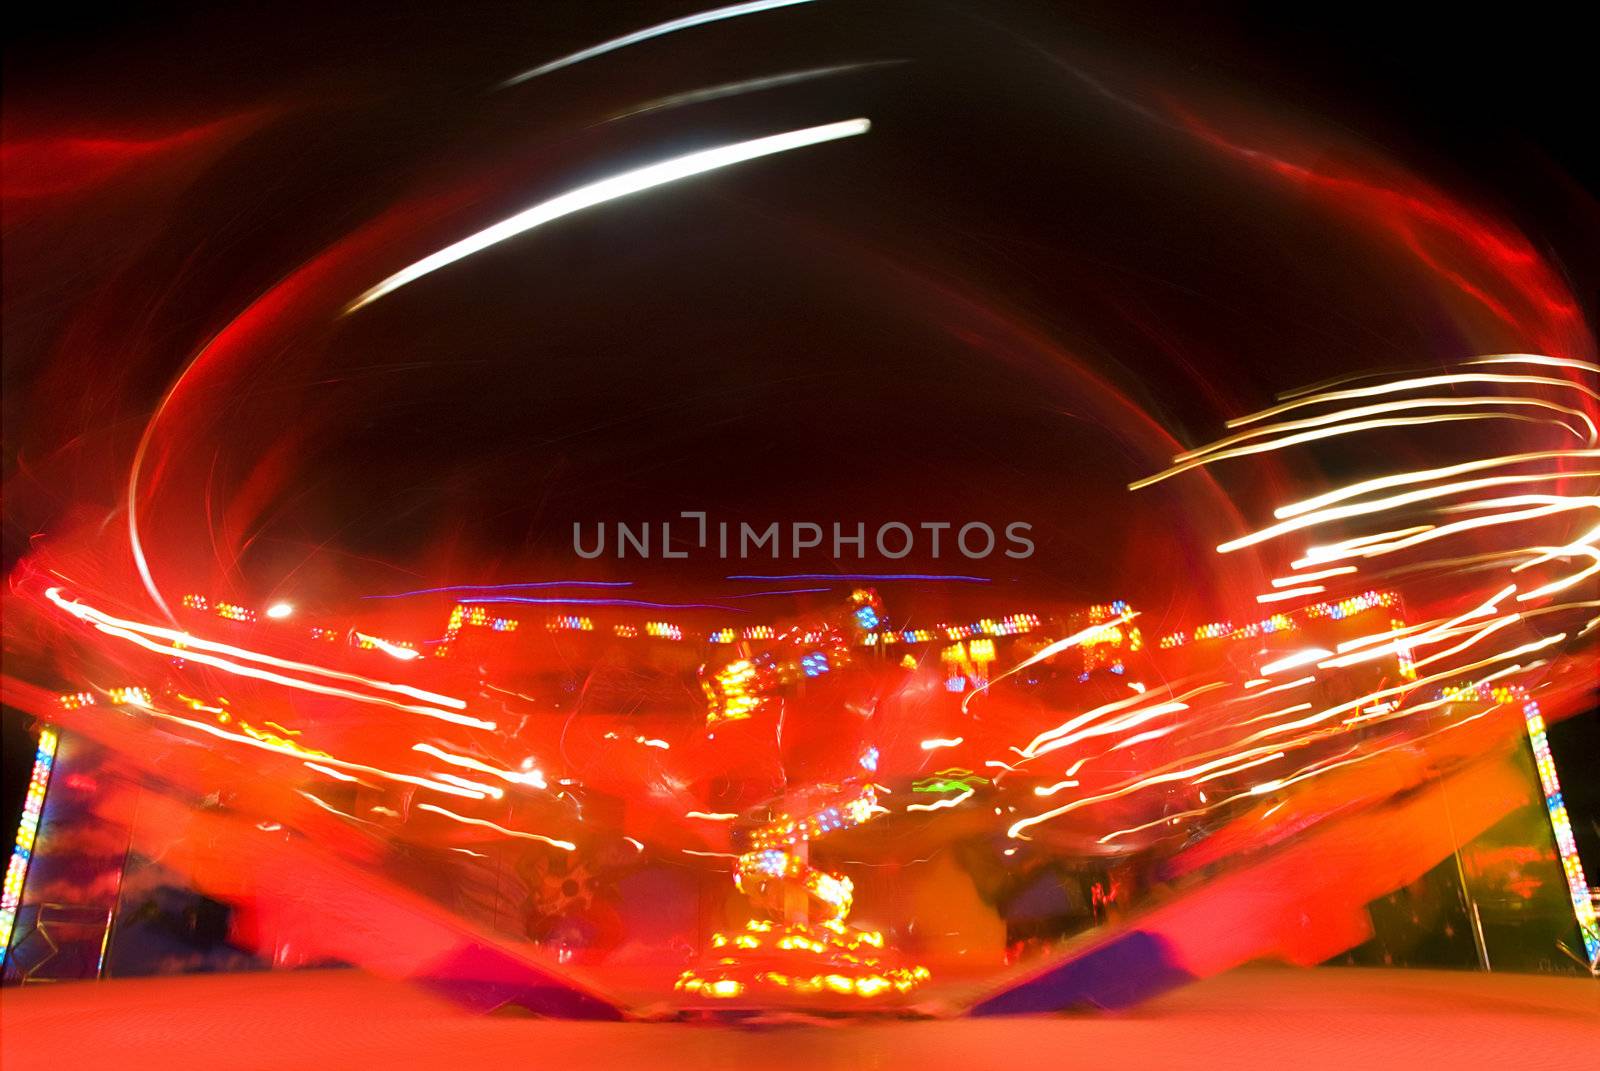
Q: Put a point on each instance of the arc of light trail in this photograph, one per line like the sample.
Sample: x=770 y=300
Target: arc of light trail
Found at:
x=939 y=805
x=789 y=591
x=1567 y=581
x=1292 y=593
x=564 y=845
x=1258 y=719
x=1499 y=358
x=1374 y=546
x=477 y=786
x=1381 y=483
x=1340 y=429
x=1262 y=761
x=1432 y=637
x=610 y=189
x=515 y=777
x=330 y=808
x=1324 y=715
x=262 y=745
x=1575 y=502
x=952 y=577
x=1223 y=766
x=1466 y=563
x=337 y=775
x=1565 y=551
x=1408 y=384
x=83 y=611
x=1302 y=775
x=1268 y=691
x=1321 y=555
x=1207 y=767
x=1077 y=722
x=1357 y=756
x=1554 y=506
x=1534 y=358
x=752 y=85
x=1323 y=419
x=1174 y=819
x=1072 y=731
x=1299 y=578
x=1155 y=779
x=1381 y=505
x=1480 y=633
x=1489 y=629
x=1305 y=739
x=1424 y=633
x=1049 y=652
x=507 y=587
x=1015 y=831
x=699 y=18
x=1131 y=720
x=575 y=601
x=1293 y=661
x=1410 y=637
x=183 y=646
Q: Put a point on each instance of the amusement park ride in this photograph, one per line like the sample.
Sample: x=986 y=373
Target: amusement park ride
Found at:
x=300 y=315
x=480 y=811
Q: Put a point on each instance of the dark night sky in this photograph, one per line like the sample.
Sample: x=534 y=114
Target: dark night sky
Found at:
x=798 y=347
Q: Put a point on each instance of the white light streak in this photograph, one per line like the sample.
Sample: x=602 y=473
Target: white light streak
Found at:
x=1299 y=658
x=182 y=645
x=700 y=18
x=610 y=189
x=393 y=650
x=564 y=845
x=532 y=777
x=1323 y=574
x=1292 y=593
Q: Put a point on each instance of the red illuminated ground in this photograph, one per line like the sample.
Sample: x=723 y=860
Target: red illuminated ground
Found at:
x=1327 y=1018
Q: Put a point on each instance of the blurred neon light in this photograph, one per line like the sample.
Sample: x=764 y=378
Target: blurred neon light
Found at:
x=956 y=578
x=507 y=587
x=27 y=831
x=1561 y=826
x=610 y=602
x=786 y=591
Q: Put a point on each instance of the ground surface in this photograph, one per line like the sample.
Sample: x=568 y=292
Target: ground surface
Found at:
x=1326 y=1018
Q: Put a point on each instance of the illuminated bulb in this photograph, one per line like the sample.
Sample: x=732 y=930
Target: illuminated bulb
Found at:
x=279 y=610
